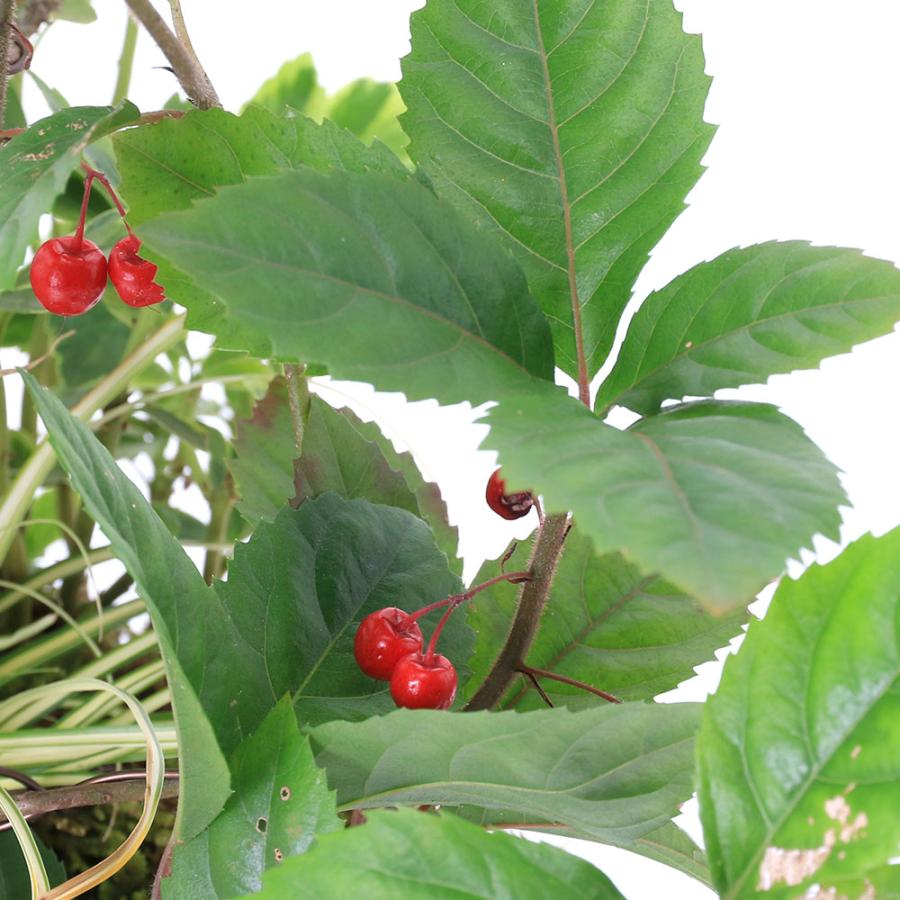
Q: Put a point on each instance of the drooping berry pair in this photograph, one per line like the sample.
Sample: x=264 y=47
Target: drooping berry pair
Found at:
x=68 y=274
x=388 y=646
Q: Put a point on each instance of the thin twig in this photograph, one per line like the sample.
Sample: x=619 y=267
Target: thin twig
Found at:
x=33 y=364
x=537 y=686
x=186 y=66
x=97 y=792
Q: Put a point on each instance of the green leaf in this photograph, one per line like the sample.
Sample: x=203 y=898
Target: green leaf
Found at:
x=95 y=348
x=168 y=165
x=605 y=624
x=265 y=448
x=750 y=313
x=371 y=110
x=574 y=130
x=452 y=860
x=280 y=803
x=367 y=274
x=799 y=754
x=297 y=591
x=295 y=85
x=714 y=496
x=180 y=604
x=14 y=881
x=79 y=11
x=614 y=772
x=35 y=167
x=344 y=454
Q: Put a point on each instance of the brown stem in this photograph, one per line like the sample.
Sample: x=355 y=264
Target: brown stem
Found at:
x=132 y=790
x=542 y=565
x=186 y=66
x=543 y=673
x=34 y=13
x=7 y=11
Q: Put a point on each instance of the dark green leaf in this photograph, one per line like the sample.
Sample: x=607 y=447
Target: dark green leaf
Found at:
x=298 y=590
x=35 y=168
x=452 y=860
x=749 y=314
x=265 y=447
x=713 y=495
x=280 y=803
x=614 y=772
x=95 y=349
x=573 y=129
x=800 y=749
x=369 y=275
x=14 y=881
x=181 y=606
x=605 y=624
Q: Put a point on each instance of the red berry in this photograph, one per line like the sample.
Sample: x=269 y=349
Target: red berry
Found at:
x=510 y=506
x=384 y=637
x=132 y=276
x=68 y=275
x=420 y=683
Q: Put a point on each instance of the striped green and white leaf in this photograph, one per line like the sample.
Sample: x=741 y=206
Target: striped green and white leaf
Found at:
x=713 y=496
x=574 y=130
x=799 y=755
x=606 y=624
x=749 y=314
x=453 y=860
x=614 y=772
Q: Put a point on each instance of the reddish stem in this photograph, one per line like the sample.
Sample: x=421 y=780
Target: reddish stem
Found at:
x=79 y=232
x=531 y=670
x=93 y=173
x=456 y=599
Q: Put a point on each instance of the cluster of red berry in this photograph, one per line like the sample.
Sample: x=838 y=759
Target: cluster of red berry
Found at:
x=68 y=274
x=389 y=643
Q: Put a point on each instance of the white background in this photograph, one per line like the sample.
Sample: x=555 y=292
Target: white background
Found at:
x=806 y=96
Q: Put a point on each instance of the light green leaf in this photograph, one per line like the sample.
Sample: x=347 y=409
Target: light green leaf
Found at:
x=749 y=314
x=370 y=109
x=573 y=129
x=614 y=772
x=295 y=85
x=452 y=860
x=280 y=804
x=605 y=624
x=79 y=11
x=298 y=590
x=36 y=165
x=799 y=754
x=368 y=274
x=181 y=606
x=714 y=496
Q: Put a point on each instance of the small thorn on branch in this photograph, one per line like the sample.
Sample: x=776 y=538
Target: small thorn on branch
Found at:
x=533 y=673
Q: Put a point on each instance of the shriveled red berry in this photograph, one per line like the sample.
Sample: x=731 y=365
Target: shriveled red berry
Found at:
x=68 y=275
x=383 y=638
x=132 y=275
x=420 y=683
x=510 y=506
